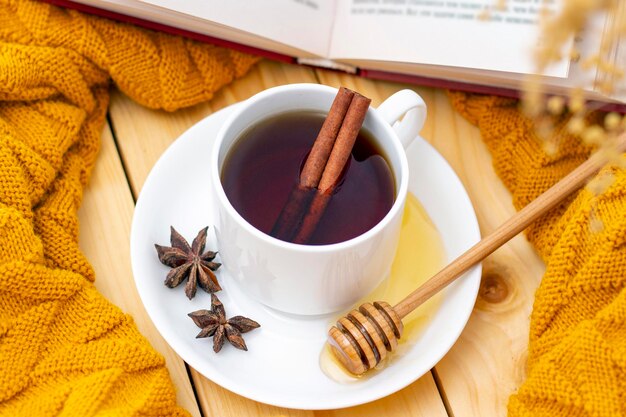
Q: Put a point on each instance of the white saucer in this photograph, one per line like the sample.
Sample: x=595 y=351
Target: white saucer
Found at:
x=282 y=365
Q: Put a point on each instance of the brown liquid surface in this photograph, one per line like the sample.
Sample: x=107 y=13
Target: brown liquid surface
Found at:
x=263 y=166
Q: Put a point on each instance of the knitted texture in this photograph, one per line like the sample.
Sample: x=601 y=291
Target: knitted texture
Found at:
x=577 y=350
x=64 y=349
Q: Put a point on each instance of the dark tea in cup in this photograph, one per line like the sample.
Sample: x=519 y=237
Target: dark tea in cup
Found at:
x=263 y=166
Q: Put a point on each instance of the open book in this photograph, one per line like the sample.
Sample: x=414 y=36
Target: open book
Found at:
x=476 y=45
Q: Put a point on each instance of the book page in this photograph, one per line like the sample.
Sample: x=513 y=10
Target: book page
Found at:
x=477 y=34
x=303 y=24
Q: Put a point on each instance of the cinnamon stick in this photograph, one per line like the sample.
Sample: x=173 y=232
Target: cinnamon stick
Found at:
x=314 y=214
x=334 y=167
x=288 y=222
x=290 y=217
x=345 y=142
x=322 y=169
x=323 y=145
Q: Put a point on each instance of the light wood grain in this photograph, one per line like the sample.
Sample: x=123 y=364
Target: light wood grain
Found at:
x=488 y=361
x=143 y=135
x=105 y=217
x=415 y=400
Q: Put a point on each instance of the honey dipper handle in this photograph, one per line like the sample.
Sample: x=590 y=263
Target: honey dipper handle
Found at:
x=518 y=222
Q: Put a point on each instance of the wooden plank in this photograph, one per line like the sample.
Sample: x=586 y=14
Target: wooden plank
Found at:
x=418 y=399
x=105 y=217
x=491 y=354
x=488 y=361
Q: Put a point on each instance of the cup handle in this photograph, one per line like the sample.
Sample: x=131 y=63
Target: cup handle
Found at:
x=412 y=106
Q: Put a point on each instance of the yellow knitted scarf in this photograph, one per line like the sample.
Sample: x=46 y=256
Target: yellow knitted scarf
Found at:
x=65 y=349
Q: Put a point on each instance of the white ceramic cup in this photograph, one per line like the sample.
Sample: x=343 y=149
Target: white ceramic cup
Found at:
x=314 y=279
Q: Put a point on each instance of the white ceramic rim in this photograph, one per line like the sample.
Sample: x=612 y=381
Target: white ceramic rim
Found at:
x=398 y=203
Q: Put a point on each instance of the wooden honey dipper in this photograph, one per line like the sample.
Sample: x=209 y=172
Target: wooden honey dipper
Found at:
x=362 y=338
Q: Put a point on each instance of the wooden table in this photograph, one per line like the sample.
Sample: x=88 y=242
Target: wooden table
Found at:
x=474 y=379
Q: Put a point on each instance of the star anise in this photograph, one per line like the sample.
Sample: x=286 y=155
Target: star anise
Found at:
x=213 y=323
x=189 y=262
